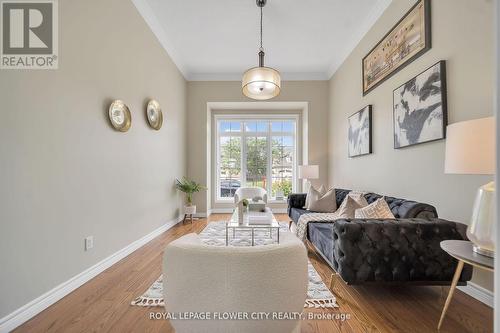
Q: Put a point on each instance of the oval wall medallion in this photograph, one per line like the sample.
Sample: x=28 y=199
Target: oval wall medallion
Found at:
x=119 y=116
x=154 y=114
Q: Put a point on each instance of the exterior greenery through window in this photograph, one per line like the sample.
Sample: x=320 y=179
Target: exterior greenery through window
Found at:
x=256 y=152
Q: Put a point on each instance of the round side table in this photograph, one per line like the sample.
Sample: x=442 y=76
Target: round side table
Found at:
x=462 y=251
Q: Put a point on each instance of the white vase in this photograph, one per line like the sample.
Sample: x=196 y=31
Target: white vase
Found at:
x=190 y=210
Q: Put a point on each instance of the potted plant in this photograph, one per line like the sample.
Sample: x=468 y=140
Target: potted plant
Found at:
x=188 y=187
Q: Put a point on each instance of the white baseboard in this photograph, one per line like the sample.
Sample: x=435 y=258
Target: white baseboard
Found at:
x=476 y=291
x=31 y=309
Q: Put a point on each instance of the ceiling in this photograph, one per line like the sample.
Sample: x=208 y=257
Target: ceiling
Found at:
x=219 y=40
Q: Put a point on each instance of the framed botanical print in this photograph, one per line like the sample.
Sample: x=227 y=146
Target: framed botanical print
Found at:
x=360 y=132
x=406 y=41
x=420 y=109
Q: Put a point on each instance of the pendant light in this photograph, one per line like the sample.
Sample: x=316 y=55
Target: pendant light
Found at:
x=261 y=82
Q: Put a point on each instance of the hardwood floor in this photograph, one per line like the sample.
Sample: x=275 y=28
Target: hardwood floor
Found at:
x=103 y=304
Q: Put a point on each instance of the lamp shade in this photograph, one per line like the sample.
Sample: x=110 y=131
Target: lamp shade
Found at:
x=470 y=147
x=308 y=171
x=261 y=83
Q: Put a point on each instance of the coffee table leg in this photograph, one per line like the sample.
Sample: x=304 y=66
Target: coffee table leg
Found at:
x=454 y=282
x=252 y=237
x=278 y=231
x=227 y=241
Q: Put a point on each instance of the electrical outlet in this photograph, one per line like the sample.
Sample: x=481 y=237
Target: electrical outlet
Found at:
x=89 y=242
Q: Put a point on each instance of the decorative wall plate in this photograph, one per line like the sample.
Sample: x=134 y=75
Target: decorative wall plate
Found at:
x=119 y=116
x=154 y=114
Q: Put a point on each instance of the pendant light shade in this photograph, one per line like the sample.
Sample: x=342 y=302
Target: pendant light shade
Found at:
x=261 y=82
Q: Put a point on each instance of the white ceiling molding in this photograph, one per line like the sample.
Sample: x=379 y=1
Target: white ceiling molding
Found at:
x=203 y=49
x=365 y=26
x=154 y=24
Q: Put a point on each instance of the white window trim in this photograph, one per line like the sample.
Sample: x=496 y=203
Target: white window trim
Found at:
x=268 y=134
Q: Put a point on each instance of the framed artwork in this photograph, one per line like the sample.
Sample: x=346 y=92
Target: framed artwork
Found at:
x=154 y=114
x=360 y=132
x=419 y=108
x=119 y=116
x=406 y=41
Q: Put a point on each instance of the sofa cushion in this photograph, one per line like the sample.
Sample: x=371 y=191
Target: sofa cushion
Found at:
x=321 y=236
x=376 y=210
x=295 y=213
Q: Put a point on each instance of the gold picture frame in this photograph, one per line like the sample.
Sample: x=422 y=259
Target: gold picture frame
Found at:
x=119 y=116
x=154 y=114
x=405 y=42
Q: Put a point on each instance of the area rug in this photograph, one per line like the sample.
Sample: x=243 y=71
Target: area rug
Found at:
x=318 y=295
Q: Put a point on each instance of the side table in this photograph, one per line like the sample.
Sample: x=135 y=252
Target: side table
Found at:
x=462 y=251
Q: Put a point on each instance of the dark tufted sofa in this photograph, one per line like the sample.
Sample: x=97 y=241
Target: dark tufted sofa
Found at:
x=405 y=250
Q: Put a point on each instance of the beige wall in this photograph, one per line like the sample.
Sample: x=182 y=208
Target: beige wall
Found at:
x=462 y=34
x=199 y=93
x=65 y=174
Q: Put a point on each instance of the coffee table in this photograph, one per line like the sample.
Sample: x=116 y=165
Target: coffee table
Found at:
x=234 y=224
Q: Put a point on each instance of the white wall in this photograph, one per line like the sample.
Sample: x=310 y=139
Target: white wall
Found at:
x=462 y=34
x=65 y=173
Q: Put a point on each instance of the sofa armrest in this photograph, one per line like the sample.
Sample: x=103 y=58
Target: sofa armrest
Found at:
x=296 y=200
x=400 y=250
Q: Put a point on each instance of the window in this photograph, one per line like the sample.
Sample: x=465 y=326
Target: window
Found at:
x=257 y=152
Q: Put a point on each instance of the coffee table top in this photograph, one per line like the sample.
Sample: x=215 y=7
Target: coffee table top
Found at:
x=233 y=223
x=462 y=250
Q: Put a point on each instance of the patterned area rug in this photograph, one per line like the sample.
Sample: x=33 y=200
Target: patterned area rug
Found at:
x=318 y=295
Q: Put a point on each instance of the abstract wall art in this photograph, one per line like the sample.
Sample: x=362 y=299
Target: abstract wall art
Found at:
x=360 y=132
x=419 y=107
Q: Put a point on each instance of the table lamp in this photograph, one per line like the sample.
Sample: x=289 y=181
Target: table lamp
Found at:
x=470 y=149
x=308 y=172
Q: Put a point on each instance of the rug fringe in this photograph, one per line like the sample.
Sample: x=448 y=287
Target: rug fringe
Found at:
x=310 y=303
x=147 y=301
x=321 y=303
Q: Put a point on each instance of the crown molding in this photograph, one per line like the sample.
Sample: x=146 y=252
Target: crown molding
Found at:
x=154 y=24
x=365 y=27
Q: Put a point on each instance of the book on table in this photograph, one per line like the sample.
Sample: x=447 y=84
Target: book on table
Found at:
x=259 y=219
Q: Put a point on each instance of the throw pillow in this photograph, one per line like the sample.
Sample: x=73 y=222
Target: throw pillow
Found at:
x=312 y=192
x=379 y=209
x=359 y=197
x=349 y=206
x=323 y=204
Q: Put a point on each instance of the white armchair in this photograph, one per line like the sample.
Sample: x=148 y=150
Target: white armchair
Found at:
x=249 y=193
x=200 y=278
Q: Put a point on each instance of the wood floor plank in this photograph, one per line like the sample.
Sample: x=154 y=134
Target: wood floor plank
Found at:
x=103 y=303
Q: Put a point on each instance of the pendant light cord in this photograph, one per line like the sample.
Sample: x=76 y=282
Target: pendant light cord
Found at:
x=261 y=48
